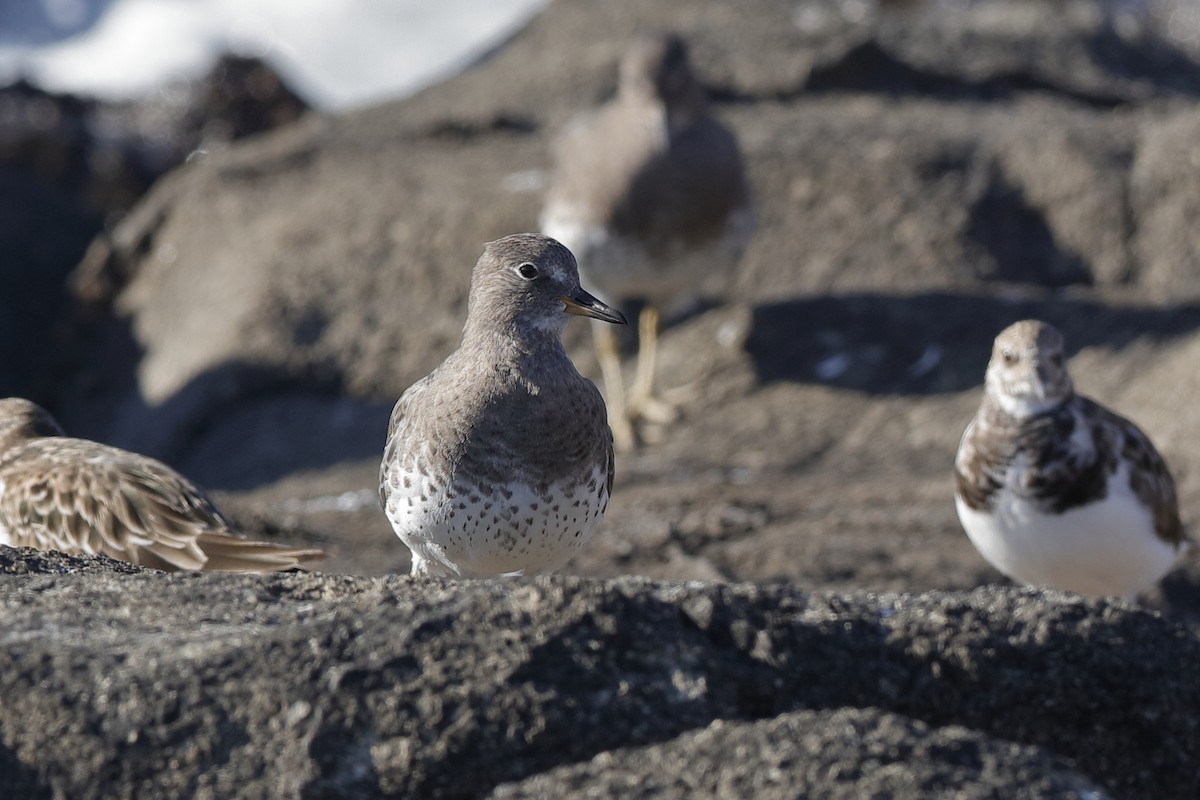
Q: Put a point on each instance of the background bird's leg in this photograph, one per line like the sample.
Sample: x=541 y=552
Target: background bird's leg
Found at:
x=642 y=403
x=604 y=340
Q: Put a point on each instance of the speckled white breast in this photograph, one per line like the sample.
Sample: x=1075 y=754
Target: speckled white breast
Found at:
x=1103 y=548
x=509 y=529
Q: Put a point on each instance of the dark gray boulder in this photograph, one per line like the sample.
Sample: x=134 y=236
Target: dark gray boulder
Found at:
x=130 y=683
x=842 y=753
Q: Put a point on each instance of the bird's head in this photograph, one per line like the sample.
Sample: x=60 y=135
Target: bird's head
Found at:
x=657 y=67
x=1027 y=374
x=528 y=284
x=22 y=420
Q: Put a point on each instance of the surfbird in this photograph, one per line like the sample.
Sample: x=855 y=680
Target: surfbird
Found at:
x=649 y=192
x=80 y=496
x=500 y=461
x=1056 y=490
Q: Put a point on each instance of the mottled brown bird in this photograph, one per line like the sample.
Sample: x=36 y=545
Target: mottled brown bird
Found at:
x=80 y=496
x=1054 y=489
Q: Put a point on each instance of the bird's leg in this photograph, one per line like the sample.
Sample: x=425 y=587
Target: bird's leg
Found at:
x=605 y=342
x=642 y=403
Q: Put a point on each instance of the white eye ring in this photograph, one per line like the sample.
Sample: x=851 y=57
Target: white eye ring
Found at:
x=528 y=270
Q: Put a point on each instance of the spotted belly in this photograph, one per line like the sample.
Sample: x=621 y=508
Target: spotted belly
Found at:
x=467 y=529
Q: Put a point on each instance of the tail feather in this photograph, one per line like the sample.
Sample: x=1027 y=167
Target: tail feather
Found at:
x=170 y=558
x=230 y=553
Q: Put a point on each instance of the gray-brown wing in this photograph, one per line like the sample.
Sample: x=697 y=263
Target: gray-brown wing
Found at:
x=689 y=192
x=611 y=469
x=1149 y=476
x=397 y=440
x=597 y=158
x=83 y=497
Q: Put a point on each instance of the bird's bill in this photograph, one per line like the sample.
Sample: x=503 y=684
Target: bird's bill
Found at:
x=582 y=304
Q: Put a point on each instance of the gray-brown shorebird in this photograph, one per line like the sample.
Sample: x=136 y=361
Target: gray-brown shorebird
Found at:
x=650 y=193
x=500 y=461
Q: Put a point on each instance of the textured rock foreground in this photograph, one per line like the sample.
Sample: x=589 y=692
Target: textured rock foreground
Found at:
x=124 y=683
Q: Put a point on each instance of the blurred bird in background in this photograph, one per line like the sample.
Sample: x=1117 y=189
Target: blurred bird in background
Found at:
x=650 y=193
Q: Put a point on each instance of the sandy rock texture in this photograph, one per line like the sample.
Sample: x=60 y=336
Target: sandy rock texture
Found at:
x=71 y=167
x=340 y=687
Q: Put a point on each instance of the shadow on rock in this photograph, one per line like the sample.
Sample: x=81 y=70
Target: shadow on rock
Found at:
x=43 y=233
x=1150 y=61
x=234 y=427
x=269 y=436
x=20 y=779
x=1018 y=242
x=929 y=343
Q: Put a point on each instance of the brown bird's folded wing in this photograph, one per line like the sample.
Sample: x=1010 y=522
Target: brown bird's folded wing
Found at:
x=79 y=496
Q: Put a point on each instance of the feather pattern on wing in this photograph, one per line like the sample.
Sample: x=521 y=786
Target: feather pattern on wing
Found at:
x=1063 y=459
x=80 y=496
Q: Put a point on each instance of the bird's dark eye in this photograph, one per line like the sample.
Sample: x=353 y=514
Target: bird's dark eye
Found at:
x=528 y=271
x=1009 y=356
x=1056 y=359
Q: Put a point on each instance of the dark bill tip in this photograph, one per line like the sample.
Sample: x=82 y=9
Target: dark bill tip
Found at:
x=583 y=304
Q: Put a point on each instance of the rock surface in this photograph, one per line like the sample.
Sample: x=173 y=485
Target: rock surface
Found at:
x=872 y=753
x=124 y=683
x=71 y=167
x=922 y=181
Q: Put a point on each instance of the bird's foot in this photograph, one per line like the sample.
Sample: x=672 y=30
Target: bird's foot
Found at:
x=650 y=416
x=652 y=410
x=625 y=437
x=663 y=409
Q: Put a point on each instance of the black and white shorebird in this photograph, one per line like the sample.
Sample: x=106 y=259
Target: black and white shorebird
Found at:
x=500 y=461
x=1054 y=489
x=649 y=192
x=80 y=496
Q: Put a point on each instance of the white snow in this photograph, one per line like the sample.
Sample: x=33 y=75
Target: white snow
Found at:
x=338 y=54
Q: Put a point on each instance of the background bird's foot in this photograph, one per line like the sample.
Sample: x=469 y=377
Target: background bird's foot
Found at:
x=655 y=410
x=650 y=433
x=663 y=409
x=648 y=418
x=625 y=438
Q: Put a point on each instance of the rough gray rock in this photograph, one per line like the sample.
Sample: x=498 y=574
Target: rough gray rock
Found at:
x=140 y=684
x=71 y=166
x=1163 y=184
x=871 y=753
